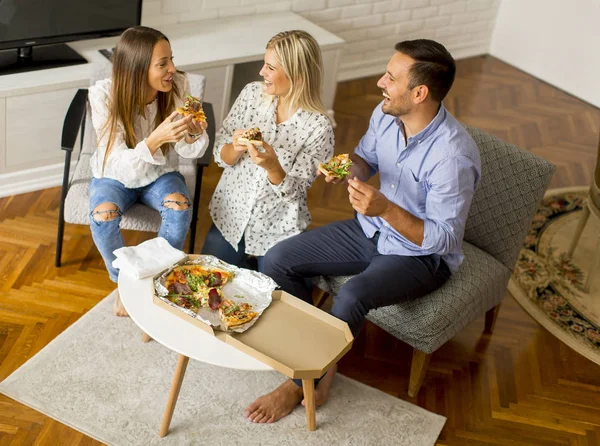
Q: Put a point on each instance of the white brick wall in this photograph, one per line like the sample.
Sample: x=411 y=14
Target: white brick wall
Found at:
x=371 y=27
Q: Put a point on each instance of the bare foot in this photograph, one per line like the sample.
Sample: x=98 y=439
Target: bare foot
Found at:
x=322 y=390
x=275 y=405
x=118 y=307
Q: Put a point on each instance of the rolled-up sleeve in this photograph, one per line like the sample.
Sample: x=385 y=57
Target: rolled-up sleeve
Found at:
x=318 y=148
x=451 y=189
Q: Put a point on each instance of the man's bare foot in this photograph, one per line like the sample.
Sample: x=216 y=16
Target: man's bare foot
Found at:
x=118 y=307
x=322 y=390
x=275 y=405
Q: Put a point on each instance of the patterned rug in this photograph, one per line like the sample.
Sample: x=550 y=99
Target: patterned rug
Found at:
x=549 y=285
x=99 y=378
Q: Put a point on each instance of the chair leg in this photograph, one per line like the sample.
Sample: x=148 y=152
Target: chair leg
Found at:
x=420 y=361
x=196 y=203
x=490 y=319
x=59 y=238
x=61 y=212
x=319 y=297
x=579 y=230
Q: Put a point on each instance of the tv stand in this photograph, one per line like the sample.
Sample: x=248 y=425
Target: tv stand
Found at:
x=38 y=58
x=30 y=134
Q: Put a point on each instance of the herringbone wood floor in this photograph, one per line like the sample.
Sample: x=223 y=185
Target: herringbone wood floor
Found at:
x=517 y=386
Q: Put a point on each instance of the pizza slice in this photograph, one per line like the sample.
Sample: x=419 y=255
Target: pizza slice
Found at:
x=186 y=301
x=338 y=166
x=253 y=136
x=210 y=297
x=234 y=315
x=197 y=277
x=192 y=106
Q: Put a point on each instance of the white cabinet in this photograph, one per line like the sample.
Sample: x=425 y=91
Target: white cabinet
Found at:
x=2 y=134
x=33 y=105
x=32 y=122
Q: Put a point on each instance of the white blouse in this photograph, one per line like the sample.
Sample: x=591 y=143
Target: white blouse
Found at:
x=135 y=166
x=245 y=202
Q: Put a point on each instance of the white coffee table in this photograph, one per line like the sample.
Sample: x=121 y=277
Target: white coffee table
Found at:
x=184 y=338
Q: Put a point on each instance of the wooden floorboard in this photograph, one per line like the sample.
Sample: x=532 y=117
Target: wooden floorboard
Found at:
x=518 y=386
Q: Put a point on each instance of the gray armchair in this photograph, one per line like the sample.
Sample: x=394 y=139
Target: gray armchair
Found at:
x=75 y=197
x=512 y=185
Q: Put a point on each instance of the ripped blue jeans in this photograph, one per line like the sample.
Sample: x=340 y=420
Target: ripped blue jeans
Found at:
x=107 y=234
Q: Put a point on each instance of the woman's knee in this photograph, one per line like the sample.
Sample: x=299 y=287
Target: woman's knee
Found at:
x=105 y=212
x=177 y=202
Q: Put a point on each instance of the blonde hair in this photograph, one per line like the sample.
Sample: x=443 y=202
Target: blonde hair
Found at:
x=131 y=61
x=300 y=56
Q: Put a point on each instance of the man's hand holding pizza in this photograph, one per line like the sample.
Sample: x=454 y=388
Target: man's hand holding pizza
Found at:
x=356 y=168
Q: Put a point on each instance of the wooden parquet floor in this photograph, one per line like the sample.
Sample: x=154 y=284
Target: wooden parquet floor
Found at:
x=518 y=386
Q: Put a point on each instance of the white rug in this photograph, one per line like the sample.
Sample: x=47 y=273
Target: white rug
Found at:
x=99 y=378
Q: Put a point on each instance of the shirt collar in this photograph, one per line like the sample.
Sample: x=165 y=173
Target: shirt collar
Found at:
x=299 y=118
x=431 y=127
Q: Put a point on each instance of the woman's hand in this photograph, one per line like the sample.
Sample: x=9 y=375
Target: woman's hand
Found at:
x=238 y=147
x=196 y=128
x=268 y=160
x=168 y=131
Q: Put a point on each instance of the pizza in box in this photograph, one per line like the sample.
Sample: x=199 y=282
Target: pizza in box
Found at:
x=222 y=295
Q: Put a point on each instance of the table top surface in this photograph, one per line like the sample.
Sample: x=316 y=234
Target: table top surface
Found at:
x=173 y=332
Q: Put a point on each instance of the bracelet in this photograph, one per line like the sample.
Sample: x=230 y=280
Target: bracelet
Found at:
x=194 y=135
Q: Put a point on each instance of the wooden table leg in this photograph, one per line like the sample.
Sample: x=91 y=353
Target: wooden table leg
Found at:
x=146 y=338
x=182 y=363
x=308 y=386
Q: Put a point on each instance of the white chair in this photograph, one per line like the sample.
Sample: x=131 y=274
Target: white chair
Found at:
x=75 y=196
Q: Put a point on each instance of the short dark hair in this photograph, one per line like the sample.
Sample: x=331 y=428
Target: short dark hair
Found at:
x=434 y=66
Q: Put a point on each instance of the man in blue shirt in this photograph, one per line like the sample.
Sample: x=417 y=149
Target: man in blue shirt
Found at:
x=406 y=240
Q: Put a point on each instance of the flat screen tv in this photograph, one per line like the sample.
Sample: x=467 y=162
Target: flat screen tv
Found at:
x=33 y=32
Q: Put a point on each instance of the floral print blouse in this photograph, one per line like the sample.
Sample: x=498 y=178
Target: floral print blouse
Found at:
x=245 y=203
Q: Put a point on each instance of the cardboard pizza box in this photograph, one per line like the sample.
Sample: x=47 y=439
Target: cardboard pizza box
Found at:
x=291 y=336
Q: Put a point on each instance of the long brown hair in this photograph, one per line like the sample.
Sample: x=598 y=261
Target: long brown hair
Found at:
x=300 y=56
x=131 y=61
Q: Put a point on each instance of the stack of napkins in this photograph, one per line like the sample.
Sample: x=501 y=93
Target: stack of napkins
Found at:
x=146 y=259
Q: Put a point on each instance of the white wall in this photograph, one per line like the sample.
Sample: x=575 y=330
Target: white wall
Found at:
x=371 y=27
x=557 y=41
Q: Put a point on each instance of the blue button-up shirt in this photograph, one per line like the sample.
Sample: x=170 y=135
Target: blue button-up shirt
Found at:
x=433 y=176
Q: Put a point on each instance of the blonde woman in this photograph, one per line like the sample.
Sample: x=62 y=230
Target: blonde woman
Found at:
x=140 y=141
x=261 y=197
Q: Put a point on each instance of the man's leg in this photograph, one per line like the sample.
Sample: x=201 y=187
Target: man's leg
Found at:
x=388 y=280
x=336 y=249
